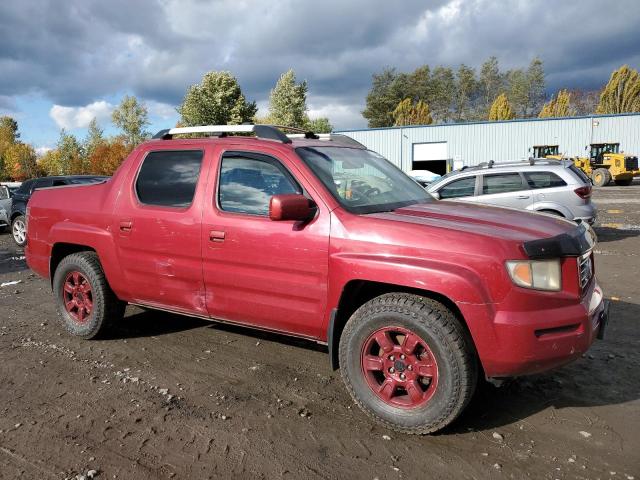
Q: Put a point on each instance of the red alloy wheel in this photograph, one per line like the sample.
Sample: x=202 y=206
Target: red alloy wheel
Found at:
x=77 y=297
x=399 y=367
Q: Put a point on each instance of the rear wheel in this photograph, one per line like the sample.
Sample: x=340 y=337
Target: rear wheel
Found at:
x=408 y=363
x=601 y=177
x=84 y=299
x=19 y=230
x=624 y=182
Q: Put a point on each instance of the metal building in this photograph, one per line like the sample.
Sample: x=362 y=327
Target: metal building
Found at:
x=441 y=147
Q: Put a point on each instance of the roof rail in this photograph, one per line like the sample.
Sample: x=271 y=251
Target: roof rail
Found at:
x=269 y=132
x=329 y=137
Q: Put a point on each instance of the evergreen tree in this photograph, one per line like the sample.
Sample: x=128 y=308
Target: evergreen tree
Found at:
x=70 y=154
x=95 y=137
x=536 y=81
x=622 y=92
x=466 y=90
x=319 y=125
x=491 y=83
x=501 y=109
x=409 y=113
x=558 y=106
x=382 y=99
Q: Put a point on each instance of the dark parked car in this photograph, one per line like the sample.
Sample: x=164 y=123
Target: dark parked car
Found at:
x=22 y=195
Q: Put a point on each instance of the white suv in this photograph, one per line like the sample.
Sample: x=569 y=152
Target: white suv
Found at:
x=541 y=185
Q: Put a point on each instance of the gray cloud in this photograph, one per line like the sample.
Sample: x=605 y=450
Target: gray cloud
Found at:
x=79 y=51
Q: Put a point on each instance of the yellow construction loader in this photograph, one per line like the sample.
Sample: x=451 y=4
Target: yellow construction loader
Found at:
x=606 y=163
x=547 y=151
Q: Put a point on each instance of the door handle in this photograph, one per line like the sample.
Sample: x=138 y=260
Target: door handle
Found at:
x=216 y=235
x=126 y=226
x=523 y=197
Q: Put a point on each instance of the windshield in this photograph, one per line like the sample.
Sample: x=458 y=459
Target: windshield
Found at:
x=361 y=180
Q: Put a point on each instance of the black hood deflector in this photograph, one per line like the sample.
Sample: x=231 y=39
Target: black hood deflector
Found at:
x=571 y=244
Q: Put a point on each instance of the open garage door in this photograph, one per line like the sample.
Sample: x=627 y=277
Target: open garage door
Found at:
x=432 y=156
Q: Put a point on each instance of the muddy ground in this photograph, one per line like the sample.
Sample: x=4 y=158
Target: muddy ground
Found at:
x=173 y=397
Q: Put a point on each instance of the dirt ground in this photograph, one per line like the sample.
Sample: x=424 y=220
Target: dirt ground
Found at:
x=173 y=397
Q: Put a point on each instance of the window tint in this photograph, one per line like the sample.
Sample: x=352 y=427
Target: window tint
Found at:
x=543 y=180
x=581 y=175
x=248 y=181
x=59 y=182
x=169 y=177
x=43 y=183
x=507 y=182
x=464 y=187
x=25 y=188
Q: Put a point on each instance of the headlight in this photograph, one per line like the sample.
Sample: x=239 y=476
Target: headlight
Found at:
x=536 y=274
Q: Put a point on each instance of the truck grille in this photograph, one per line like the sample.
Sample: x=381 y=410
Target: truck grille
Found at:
x=585 y=270
x=631 y=163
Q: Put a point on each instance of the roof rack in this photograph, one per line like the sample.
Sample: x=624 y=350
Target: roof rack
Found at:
x=269 y=132
x=329 y=137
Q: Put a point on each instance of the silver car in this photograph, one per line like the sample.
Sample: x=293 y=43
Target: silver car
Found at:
x=551 y=186
x=5 y=207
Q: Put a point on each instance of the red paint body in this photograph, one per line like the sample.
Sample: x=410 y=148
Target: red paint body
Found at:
x=274 y=275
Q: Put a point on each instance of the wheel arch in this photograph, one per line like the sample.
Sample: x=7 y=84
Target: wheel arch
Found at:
x=61 y=250
x=356 y=293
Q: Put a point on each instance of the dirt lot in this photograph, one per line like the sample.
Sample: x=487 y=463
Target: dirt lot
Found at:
x=170 y=396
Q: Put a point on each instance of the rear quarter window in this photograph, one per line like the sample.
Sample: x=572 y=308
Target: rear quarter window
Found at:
x=538 y=180
x=168 y=178
x=580 y=174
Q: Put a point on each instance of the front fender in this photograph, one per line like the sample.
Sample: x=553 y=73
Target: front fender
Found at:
x=466 y=286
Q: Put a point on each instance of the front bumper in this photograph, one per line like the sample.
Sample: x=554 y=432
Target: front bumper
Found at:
x=535 y=341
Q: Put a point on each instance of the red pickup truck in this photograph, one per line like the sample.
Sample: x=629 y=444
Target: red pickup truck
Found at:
x=319 y=237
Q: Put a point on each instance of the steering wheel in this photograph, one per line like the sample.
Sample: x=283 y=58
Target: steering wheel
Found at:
x=372 y=192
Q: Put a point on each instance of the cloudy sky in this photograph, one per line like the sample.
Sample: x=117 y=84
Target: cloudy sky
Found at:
x=63 y=62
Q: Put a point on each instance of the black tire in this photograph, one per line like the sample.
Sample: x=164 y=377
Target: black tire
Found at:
x=624 y=183
x=601 y=177
x=19 y=230
x=449 y=342
x=106 y=307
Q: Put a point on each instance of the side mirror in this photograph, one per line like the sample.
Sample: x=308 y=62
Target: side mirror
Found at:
x=435 y=195
x=291 y=206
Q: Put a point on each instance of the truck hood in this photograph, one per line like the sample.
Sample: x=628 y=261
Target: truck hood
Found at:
x=506 y=223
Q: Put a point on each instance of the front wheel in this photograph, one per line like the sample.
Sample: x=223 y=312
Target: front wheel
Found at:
x=84 y=299
x=19 y=230
x=601 y=177
x=408 y=363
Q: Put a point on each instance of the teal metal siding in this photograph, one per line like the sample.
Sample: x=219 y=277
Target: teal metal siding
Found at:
x=478 y=142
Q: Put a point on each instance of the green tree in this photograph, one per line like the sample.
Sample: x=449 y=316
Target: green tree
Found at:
x=558 y=106
x=518 y=91
x=71 y=156
x=382 y=99
x=501 y=109
x=94 y=138
x=409 y=113
x=288 y=102
x=491 y=83
x=216 y=100
x=466 y=91
x=8 y=136
x=319 y=125
x=537 y=84
x=622 y=92
x=20 y=161
x=131 y=116
x=49 y=163
x=442 y=93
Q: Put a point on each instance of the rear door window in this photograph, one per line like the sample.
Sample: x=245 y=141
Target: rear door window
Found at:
x=465 y=187
x=168 y=178
x=502 y=183
x=543 y=180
